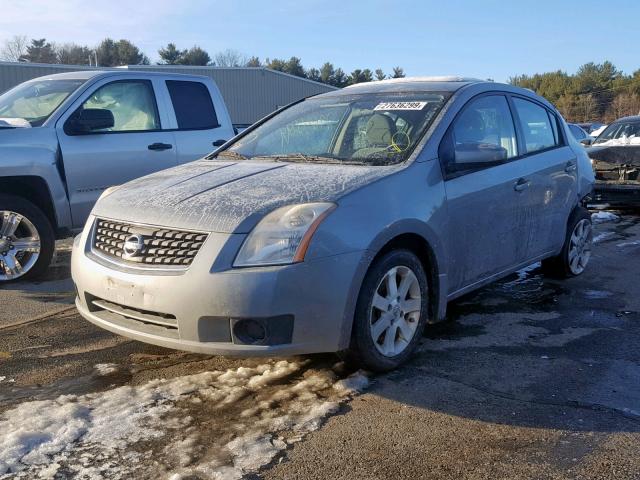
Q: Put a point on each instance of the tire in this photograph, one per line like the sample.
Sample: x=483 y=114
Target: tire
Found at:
x=406 y=318
x=564 y=265
x=32 y=220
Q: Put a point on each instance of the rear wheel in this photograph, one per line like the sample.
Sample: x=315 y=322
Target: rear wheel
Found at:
x=27 y=240
x=391 y=312
x=576 y=252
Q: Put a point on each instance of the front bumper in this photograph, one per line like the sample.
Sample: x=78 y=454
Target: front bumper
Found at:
x=198 y=309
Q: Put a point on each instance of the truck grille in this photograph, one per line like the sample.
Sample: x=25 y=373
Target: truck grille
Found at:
x=144 y=245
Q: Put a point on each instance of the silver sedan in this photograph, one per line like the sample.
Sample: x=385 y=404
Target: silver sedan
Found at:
x=344 y=222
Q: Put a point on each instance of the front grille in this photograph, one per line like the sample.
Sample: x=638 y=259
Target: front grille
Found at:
x=159 y=246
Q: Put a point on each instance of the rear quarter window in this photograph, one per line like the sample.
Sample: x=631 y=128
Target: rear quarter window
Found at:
x=192 y=105
x=538 y=129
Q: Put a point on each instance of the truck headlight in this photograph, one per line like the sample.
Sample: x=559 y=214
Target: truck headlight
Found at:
x=283 y=236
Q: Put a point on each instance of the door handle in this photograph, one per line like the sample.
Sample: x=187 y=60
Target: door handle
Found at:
x=570 y=166
x=219 y=143
x=521 y=184
x=160 y=146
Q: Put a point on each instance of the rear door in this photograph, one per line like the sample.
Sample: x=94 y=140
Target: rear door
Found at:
x=550 y=167
x=135 y=146
x=199 y=128
x=485 y=191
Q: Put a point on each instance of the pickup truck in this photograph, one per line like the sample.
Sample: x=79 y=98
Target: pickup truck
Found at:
x=66 y=138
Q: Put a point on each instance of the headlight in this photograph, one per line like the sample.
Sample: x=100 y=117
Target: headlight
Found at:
x=283 y=236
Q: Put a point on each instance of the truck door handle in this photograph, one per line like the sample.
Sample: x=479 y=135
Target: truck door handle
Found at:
x=570 y=166
x=160 y=146
x=521 y=184
x=219 y=143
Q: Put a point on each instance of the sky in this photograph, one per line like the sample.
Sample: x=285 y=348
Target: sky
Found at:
x=484 y=39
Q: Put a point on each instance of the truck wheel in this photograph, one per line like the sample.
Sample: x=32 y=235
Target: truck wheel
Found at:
x=27 y=241
x=576 y=252
x=391 y=312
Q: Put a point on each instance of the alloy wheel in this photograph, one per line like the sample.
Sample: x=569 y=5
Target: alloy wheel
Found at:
x=580 y=246
x=395 y=311
x=19 y=245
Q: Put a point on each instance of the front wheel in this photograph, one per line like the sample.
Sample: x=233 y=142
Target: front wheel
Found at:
x=27 y=241
x=391 y=312
x=576 y=252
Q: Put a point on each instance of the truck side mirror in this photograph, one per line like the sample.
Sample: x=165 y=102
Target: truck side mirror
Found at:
x=88 y=120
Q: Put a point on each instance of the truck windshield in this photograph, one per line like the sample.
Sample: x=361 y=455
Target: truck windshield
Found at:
x=370 y=129
x=35 y=101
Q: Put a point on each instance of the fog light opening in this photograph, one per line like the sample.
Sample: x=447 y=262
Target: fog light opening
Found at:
x=250 y=331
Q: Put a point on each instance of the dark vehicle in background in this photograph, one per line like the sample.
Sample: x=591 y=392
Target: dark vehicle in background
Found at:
x=615 y=155
x=590 y=126
x=578 y=133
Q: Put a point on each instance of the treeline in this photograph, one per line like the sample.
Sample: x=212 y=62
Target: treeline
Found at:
x=597 y=91
x=113 y=53
x=108 y=53
x=327 y=73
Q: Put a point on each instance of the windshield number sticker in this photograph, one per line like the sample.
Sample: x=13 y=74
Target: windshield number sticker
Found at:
x=400 y=106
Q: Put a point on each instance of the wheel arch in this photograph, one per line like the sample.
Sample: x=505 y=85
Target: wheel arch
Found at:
x=33 y=189
x=418 y=238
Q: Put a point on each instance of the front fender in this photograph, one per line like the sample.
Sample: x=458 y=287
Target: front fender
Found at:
x=33 y=152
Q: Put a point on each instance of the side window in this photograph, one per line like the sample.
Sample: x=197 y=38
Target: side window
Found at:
x=132 y=103
x=482 y=135
x=536 y=126
x=577 y=132
x=192 y=104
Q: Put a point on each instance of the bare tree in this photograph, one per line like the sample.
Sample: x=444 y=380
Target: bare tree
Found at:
x=14 y=48
x=623 y=105
x=229 y=58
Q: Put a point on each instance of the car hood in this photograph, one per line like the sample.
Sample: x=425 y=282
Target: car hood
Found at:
x=622 y=154
x=230 y=197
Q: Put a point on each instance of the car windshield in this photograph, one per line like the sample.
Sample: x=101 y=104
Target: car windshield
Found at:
x=620 y=133
x=35 y=101
x=371 y=129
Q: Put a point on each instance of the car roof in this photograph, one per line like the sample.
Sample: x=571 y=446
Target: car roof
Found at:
x=408 y=84
x=631 y=118
x=90 y=74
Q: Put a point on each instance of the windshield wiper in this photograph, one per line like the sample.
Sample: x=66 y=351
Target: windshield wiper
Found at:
x=229 y=154
x=303 y=158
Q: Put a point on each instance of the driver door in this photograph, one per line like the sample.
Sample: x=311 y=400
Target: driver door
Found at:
x=135 y=146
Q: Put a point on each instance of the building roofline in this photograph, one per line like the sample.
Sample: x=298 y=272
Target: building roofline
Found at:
x=55 y=65
x=207 y=67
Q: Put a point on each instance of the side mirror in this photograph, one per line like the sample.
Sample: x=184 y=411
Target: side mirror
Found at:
x=587 y=142
x=479 y=154
x=89 y=120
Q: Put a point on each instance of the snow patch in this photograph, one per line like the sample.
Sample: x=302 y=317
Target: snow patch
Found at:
x=603 y=216
x=628 y=244
x=355 y=383
x=602 y=237
x=105 y=369
x=90 y=435
x=621 y=141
